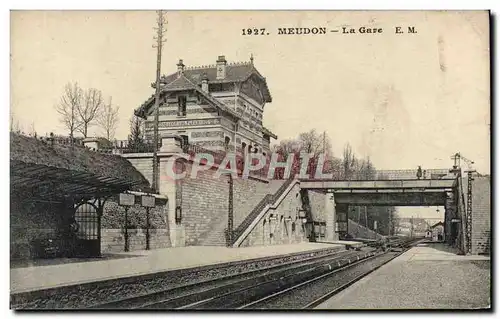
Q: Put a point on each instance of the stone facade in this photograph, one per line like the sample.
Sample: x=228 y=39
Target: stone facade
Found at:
x=283 y=225
x=113 y=221
x=280 y=225
x=39 y=220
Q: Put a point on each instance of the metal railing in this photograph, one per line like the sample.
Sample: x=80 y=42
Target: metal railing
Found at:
x=219 y=156
x=410 y=174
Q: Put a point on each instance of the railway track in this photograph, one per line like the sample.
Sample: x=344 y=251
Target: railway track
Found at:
x=173 y=297
x=300 y=284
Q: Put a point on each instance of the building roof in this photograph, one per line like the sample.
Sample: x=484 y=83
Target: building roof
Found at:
x=42 y=169
x=182 y=82
x=191 y=77
x=267 y=132
x=437 y=224
x=235 y=73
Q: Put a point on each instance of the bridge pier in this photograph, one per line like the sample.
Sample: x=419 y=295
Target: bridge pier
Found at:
x=341 y=215
x=330 y=217
x=451 y=229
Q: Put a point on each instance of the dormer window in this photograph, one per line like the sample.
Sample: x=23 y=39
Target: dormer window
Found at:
x=182 y=101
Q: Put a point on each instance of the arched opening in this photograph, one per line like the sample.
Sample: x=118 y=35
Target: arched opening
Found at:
x=86 y=230
x=227 y=140
x=264 y=232
x=184 y=141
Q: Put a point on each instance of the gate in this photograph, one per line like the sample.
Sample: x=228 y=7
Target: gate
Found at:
x=88 y=232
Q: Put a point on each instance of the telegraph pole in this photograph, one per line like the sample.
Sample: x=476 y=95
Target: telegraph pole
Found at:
x=160 y=30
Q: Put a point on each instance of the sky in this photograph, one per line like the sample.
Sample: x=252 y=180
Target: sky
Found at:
x=404 y=100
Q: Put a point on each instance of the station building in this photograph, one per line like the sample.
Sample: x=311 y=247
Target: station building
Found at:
x=218 y=107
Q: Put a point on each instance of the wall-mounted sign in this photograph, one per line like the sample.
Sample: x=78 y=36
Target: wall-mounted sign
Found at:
x=455 y=220
x=178 y=214
x=127 y=199
x=147 y=201
x=302 y=213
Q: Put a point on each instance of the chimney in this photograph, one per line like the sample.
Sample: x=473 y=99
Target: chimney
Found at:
x=221 y=67
x=204 y=82
x=180 y=67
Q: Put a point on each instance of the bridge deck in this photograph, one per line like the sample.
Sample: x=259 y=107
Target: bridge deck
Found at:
x=409 y=184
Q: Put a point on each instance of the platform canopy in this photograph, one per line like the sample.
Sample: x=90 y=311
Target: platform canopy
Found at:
x=40 y=169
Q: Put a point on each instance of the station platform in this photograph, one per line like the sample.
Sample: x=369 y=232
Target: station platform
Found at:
x=428 y=276
x=57 y=273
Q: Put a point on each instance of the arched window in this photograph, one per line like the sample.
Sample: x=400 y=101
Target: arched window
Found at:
x=264 y=236
x=227 y=140
x=243 y=147
x=184 y=141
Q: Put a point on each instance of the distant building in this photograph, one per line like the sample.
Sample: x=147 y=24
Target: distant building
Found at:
x=437 y=231
x=217 y=107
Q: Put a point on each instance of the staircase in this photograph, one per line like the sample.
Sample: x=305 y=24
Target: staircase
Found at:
x=269 y=199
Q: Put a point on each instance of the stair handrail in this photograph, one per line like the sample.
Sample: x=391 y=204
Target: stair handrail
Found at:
x=269 y=199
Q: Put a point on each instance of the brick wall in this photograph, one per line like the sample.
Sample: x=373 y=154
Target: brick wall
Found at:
x=481 y=213
x=143 y=163
x=205 y=204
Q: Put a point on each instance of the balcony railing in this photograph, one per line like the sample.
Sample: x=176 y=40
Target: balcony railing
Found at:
x=124 y=147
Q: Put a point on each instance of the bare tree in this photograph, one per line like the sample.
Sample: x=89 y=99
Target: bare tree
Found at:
x=108 y=119
x=349 y=161
x=68 y=106
x=314 y=143
x=89 y=109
